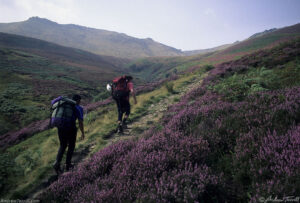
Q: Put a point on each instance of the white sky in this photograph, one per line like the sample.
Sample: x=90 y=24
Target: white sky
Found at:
x=183 y=24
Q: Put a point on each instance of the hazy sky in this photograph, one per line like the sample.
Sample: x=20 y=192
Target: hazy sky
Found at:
x=183 y=24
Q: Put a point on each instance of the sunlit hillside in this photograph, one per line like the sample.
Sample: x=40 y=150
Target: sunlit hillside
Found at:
x=153 y=68
x=97 y=41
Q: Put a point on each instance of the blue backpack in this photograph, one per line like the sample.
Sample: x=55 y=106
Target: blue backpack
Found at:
x=62 y=111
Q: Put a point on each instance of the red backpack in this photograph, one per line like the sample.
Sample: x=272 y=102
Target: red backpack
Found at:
x=119 y=87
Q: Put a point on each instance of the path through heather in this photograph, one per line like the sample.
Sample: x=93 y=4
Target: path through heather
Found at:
x=135 y=129
x=154 y=114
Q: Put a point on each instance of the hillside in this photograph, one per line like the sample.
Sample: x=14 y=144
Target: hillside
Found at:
x=151 y=68
x=60 y=53
x=265 y=40
x=262 y=33
x=221 y=140
x=103 y=42
x=34 y=71
x=220 y=126
x=204 y=51
x=97 y=41
x=234 y=138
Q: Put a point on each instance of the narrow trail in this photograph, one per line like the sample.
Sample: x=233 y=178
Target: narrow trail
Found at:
x=153 y=115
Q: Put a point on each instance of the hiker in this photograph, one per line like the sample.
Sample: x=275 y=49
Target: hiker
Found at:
x=66 y=126
x=121 y=89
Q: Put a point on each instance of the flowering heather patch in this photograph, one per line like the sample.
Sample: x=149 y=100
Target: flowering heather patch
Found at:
x=180 y=162
x=185 y=185
x=269 y=58
x=276 y=167
x=207 y=149
x=99 y=166
x=11 y=138
x=237 y=127
x=127 y=172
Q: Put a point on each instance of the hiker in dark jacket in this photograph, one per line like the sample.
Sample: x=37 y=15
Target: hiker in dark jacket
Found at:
x=67 y=136
x=122 y=102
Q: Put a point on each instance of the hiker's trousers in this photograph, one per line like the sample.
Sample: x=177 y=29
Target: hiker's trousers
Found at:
x=123 y=107
x=67 y=138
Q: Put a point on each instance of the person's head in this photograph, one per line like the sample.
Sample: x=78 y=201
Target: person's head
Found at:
x=76 y=98
x=129 y=78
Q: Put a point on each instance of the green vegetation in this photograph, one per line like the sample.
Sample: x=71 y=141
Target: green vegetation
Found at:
x=153 y=69
x=206 y=131
x=170 y=87
x=259 y=79
x=26 y=165
x=29 y=82
x=259 y=43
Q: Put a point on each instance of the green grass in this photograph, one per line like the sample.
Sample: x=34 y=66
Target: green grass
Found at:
x=261 y=42
x=259 y=79
x=27 y=164
x=29 y=82
x=18 y=106
x=30 y=161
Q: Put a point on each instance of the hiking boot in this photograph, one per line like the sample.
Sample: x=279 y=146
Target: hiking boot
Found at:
x=57 y=168
x=124 y=125
x=69 y=167
x=120 y=129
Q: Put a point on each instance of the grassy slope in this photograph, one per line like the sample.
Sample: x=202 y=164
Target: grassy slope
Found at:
x=29 y=163
x=33 y=72
x=60 y=53
x=251 y=45
x=223 y=124
x=153 y=68
x=21 y=153
x=149 y=69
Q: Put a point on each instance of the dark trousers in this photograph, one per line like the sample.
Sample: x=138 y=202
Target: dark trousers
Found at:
x=67 y=138
x=123 y=107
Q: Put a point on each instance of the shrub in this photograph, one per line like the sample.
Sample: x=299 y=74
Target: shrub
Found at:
x=170 y=87
x=208 y=67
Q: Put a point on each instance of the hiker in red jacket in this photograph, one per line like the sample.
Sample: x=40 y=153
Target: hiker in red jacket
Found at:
x=122 y=88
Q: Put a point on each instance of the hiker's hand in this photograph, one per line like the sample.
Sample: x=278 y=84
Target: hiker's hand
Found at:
x=82 y=136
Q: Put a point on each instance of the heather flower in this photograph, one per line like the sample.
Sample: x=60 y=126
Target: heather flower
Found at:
x=208 y=149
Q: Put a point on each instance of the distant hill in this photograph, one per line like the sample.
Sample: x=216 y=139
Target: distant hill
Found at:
x=151 y=68
x=98 y=41
x=262 y=33
x=255 y=41
x=266 y=39
x=60 y=53
x=204 y=51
